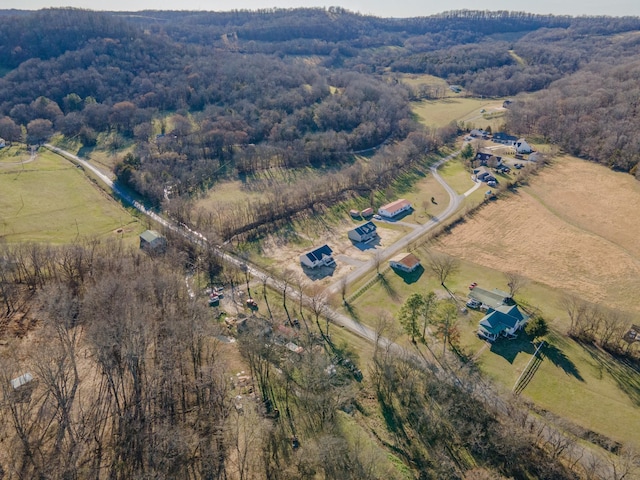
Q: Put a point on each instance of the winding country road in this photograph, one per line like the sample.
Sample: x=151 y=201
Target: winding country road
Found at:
x=454 y=203
x=478 y=388
x=338 y=318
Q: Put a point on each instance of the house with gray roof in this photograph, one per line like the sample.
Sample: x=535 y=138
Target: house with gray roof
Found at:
x=318 y=258
x=364 y=233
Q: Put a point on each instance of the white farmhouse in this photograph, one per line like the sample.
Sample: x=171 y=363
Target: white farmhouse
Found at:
x=318 y=257
x=394 y=209
x=522 y=146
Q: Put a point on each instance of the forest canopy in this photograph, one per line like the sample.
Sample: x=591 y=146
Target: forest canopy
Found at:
x=204 y=96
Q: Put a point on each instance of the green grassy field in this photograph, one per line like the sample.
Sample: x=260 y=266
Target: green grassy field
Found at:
x=585 y=385
x=438 y=113
x=51 y=200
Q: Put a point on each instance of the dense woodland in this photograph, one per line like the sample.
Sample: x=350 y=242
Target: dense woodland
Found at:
x=205 y=96
x=141 y=387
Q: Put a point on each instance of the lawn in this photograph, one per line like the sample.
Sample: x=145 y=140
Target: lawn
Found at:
x=438 y=113
x=549 y=231
x=51 y=200
x=455 y=174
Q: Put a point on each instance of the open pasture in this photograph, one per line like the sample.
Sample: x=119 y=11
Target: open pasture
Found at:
x=51 y=200
x=438 y=113
x=574 y=229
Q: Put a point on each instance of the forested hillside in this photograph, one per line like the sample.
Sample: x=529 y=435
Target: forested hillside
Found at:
x=206 y=96
x=136 y=375
x=133 y=383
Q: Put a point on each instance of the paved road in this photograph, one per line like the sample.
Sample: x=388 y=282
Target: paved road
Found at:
x=116 y=189
x=478 y=388
x=419 y=231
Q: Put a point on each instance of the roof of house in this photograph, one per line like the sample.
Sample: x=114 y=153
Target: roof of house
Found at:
x=483 y=155
x=501 y=318
x=150 y=235
x=504 y=136
x=397 y=205
x=491 y=299
x=367 y=211
x=319 y=253
x=365 y=228
x=409 y=260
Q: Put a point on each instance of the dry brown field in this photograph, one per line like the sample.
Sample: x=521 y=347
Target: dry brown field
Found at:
x=575 y=228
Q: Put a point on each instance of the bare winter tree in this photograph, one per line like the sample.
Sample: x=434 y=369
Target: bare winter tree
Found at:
x=442 y=265
x=343 y=288
x=377 y=260
x=515 y=282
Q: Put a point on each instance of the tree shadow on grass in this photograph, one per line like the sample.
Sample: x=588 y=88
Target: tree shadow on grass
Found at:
x=560 y=360
x=85 y=152
x=410 y=277
x=388 y=288
x=624 y=372
x=391 y=418
x=352 y=312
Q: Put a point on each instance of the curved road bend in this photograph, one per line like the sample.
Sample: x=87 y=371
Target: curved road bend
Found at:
x=385 y=254
x=338 y=318
x=116 y=189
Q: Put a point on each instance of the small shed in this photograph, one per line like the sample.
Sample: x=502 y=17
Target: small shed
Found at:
x=367 y=212
x=406 y=262
x=150 y=240
x=364 y=233
x=21 y=381
x=354 y=213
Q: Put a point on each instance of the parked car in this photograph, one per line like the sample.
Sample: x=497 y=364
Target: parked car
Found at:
x=377 y=217
x=473 y=303
x=252 y=304
x=473 y=285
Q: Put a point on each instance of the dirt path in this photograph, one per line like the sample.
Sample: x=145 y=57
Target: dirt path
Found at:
x=32 y=157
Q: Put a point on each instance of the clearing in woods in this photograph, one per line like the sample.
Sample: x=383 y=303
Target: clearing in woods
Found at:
x=51 y=200
x=439 y=113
